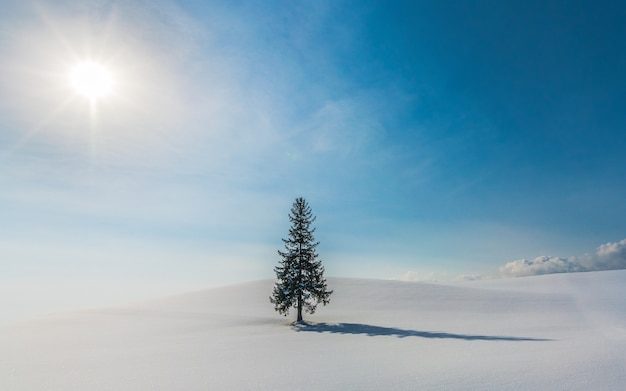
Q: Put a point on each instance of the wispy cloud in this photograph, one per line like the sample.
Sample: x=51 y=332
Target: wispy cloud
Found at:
x=412 y=276
x=340 y=127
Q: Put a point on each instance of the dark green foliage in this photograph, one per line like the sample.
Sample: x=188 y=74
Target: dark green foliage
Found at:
x=300 y=275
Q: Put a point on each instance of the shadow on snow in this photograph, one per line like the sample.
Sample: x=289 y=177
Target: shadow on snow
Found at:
x=374 y=331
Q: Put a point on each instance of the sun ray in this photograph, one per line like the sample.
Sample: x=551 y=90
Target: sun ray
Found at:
x=36 y=128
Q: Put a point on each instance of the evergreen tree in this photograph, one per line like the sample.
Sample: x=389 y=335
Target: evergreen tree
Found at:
x=300 y=275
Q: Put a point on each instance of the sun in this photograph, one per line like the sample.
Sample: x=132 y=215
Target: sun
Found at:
x=91 y=79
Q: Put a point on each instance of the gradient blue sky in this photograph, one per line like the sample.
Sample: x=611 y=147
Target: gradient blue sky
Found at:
x=443 y=138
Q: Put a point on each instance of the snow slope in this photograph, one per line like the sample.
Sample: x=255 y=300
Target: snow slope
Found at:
x=554 y=332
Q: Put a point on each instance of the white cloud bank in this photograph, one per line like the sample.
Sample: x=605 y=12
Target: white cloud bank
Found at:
x=609 y=256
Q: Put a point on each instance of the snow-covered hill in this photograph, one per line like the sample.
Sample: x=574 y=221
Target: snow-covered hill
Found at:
x=554 y=332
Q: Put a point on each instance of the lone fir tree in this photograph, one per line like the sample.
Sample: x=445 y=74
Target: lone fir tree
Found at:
x=300 y=275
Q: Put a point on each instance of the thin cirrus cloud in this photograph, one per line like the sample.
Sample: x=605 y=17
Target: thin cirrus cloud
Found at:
x=191 y=141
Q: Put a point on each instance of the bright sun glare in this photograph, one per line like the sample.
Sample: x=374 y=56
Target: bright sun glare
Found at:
x=91 y=79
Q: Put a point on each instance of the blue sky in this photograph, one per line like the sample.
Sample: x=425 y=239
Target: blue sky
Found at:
x=444 y=139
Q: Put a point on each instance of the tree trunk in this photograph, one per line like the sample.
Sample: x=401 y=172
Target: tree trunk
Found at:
x=299 y=283
x=300 y=308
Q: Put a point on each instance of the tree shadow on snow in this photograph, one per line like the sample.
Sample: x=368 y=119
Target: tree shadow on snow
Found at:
x=374 y=331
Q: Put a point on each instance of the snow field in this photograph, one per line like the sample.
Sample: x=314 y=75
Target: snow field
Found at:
x=554 y=332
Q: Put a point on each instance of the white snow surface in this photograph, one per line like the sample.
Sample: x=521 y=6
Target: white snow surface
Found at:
x=551 y=332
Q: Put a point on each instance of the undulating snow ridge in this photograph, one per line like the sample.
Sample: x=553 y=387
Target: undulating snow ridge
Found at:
x=550 y=332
